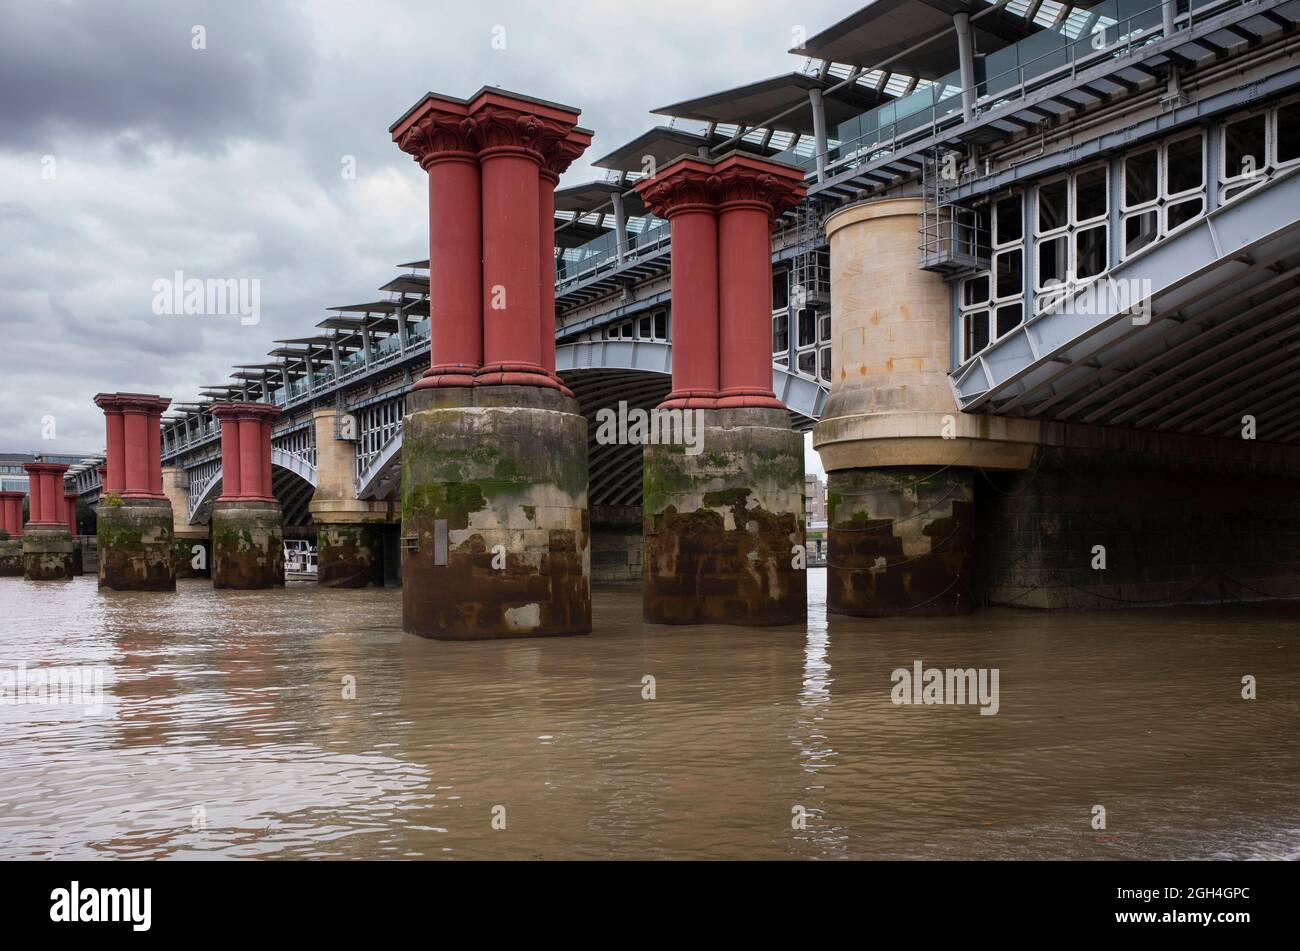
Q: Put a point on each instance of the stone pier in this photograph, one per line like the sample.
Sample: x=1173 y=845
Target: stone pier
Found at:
x=349 y=542
x=495 y=527
x=134 y=518
x=191 y=547
x=724 y=514
x=47 y=546
x=247 y=523
x=11 y=542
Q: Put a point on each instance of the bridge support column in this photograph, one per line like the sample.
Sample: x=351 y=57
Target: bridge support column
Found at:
x=247 y=523
x=133 y=529
x=349 y=543
x=47 y=546
x=191 y=548
x=495 y=528
x=70 y=497
x=900 y=457
x=495 y=524
x=11 y=544
x=724 y=513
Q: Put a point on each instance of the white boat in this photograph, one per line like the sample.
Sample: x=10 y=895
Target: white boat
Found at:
x=299 y=560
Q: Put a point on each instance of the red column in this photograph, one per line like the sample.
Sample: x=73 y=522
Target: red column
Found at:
x=45 y=482
x=250 y=456
x=135 y=419
x=114 y=442
x=752 y=192
x=266 y=457
x=685 y=194
x=70 y=510
x=230 y=457
x=437 y=133
x=246 y=450
x=492 y=162
x=511 y=257
x=720 y=213
x=11 y=513
x=155 y=446
x=555 y=160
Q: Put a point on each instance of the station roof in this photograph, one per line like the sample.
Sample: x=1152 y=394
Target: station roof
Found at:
x=420 y=265
x=884 y=32
x=598 y=196
x=408 y=284
x=754 y=104
x=372 y=307
x=665 y=144
x=574 y=234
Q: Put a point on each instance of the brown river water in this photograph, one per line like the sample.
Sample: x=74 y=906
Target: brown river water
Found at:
x=225 y=733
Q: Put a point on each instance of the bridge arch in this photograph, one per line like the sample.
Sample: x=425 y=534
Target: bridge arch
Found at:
x=293 y=480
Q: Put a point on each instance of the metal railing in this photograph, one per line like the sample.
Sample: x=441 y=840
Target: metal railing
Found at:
x=1112 y=29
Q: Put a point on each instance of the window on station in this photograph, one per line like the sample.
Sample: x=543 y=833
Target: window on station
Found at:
x=1256 y=146
x=661 y=325
x=1091 y=195
x=807 y=327
x=1141 y=178
x=1008 y=221
x=780 y=290
x=1164 y=189
x=991 y=301
x=781 y=334
x=1245 y=147
x=1184 y=165
x=1288 y=133
x=1053 y=205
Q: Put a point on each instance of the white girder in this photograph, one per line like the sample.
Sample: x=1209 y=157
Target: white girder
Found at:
x=279 y=459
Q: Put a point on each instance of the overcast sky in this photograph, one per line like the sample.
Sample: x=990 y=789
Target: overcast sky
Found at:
x=126 y=154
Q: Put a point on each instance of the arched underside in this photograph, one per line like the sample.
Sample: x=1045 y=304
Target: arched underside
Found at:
x=602 y=374
x=293 y=481
x=1221 y=341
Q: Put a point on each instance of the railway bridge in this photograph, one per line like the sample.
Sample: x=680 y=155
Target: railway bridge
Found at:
x=1037 y=303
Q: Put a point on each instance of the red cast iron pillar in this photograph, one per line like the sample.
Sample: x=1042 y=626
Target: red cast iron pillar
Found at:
x=685 y=193
x=70 y=497
x=45 y=482
x=11 y=513
x=752 y=193
x=518 y=137
x=231 y=477
x=115 y=443
x=438 y=134
x=557 y=157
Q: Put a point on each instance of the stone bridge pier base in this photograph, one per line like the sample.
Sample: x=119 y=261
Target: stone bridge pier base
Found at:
x=724 y=526
x=11 y=545
x=495 y=530
x=47 y=544
x=901 y=460
x=723 y=506
x=134 y=518
x=349 y=541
